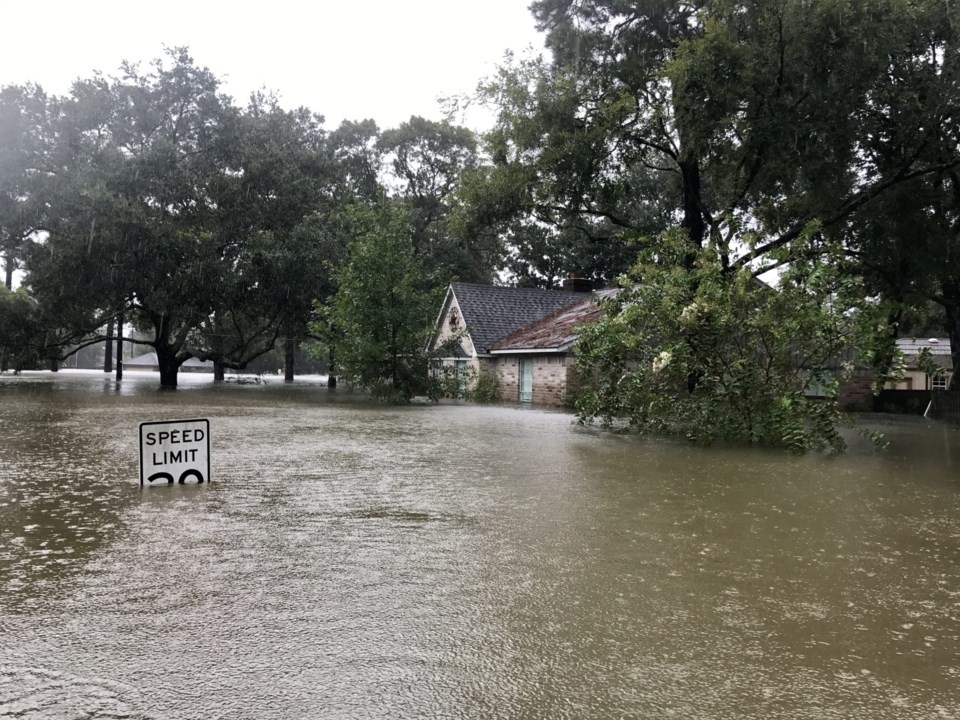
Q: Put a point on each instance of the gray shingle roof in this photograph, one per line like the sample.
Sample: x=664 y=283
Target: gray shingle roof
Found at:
x=939 y=349
x=491 y=312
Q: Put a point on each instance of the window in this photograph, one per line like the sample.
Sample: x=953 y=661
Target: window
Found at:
x=818 y=385
x=939 y=383
x=461 y=370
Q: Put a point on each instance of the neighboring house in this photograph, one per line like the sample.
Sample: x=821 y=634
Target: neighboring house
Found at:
x=148 y=362
x=917 y=379
x=522 y=335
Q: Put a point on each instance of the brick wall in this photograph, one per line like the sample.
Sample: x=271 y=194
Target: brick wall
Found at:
x=549 y=380
x=857 y=392
x=551 y=375
x=508 y=370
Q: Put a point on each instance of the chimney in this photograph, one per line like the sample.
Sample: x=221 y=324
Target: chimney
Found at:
x=574 y=283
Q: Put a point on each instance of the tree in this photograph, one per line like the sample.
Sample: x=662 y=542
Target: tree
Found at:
x=26 y=113
x=908 y=239
x=742 y=124
x=272 y=209
x=426 y=160
x=711 y=355
x=355 y=148
x=381 y=314
x=172 y=207
x=727 y=118
x=561 y=185
x=20 y=330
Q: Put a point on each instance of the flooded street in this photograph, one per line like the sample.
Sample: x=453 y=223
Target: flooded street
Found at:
x=351 y=560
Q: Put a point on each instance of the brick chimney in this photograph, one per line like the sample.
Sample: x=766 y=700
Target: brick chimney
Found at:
x=575 y=283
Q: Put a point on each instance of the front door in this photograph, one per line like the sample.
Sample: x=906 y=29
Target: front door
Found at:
x=526 y=380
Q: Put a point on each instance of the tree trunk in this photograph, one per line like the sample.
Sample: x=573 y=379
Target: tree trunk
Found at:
x=119 y=346
x=8 y=264
x=108 y=349
x=332 y=372
x=218 y=369
x=54 y=363
x=289 y=345
x=167 y=360
x=693 y=221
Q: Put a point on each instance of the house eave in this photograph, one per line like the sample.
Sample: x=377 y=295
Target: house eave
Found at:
x=531 y=351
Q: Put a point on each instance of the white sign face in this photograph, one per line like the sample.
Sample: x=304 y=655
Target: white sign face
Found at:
x=176 y=451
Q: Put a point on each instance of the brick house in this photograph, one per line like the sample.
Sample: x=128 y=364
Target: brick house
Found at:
x=524 y=336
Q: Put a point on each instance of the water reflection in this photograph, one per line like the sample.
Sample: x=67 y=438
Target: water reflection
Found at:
x=351 y=560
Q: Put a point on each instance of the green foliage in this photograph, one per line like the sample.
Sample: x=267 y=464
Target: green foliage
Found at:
x=927 y=364
x=203 y=222
x=461 y=382
x=21 y=332
x=726 y=117
x=485 y=387
x=449 y=381
x=425 y=161
x=25 y=139
x=710 y=355
x=381 y=317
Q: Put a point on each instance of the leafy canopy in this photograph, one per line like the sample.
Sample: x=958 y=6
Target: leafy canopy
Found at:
x=382 y=314
x=711 y=355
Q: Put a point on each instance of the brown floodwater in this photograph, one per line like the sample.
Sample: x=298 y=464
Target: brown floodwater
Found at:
x=351 y=560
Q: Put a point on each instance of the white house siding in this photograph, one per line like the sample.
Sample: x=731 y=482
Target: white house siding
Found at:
x=447 y=330
x=915 y=380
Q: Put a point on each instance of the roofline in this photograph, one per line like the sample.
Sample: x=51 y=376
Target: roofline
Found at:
x=443 y=312
x=533 y=351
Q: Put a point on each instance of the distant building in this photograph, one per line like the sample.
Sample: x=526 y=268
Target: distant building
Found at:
x=917 y=379
x=148 y=363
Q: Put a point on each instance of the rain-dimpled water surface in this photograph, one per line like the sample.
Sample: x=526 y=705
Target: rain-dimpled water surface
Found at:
x=352 y=560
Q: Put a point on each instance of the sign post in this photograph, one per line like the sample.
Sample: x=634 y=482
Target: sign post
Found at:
x=175 y=451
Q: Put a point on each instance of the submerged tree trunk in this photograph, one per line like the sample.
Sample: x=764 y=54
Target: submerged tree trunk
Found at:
x=167 y=360
x=108 y=349
x=218 y=368
x=289 y=345
x=119 y=347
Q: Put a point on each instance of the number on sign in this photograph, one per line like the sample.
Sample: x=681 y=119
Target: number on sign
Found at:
x=156 y=477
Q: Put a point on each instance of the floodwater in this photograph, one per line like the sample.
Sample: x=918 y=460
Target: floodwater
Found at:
x=351 y=560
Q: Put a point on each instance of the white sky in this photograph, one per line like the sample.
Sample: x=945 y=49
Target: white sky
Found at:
x=377 y=58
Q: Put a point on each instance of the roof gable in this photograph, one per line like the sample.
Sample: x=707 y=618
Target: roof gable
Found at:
x=444 y=330
x=491 y=312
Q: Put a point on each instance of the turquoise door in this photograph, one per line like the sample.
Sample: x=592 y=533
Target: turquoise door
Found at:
x=526 y=380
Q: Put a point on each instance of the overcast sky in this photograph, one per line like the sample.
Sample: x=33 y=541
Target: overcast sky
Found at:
x=346 y=60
